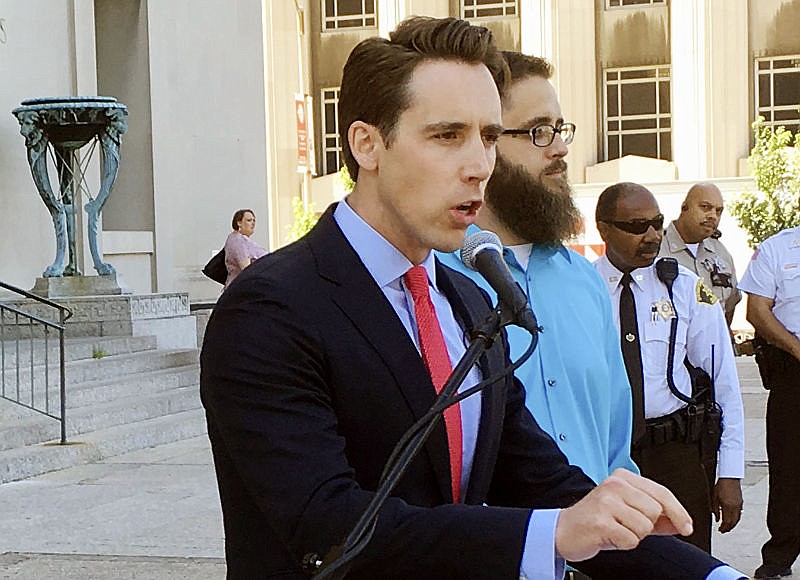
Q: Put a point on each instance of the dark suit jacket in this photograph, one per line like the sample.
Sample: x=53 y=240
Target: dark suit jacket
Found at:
x=309 y=379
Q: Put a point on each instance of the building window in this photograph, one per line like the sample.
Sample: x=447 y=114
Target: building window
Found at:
x=488 y=8
x=624 y=3
x=778 y=91
x=338 y=14
x=637 y=112
x=331 y=147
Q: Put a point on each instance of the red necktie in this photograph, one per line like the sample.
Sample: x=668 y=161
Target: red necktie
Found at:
x=434 y=353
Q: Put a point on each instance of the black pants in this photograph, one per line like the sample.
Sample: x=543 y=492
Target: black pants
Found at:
x=783 y=441
x=676 y=465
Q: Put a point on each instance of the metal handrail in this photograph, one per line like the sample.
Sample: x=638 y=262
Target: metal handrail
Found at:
x=64 y=314
x=60 y=307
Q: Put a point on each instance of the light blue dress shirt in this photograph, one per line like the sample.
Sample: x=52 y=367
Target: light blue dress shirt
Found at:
x=575 y=381
x=387 y=265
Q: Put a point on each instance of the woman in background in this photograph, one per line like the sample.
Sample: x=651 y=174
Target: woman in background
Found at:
x=240 y=250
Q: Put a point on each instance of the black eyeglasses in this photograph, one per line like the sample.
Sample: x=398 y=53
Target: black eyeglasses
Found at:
x=638 y=227
x=544 y=134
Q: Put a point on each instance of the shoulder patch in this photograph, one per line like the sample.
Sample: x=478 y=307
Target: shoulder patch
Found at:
x=704 y=294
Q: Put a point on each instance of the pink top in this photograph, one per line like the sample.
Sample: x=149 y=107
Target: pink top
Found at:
x=239 y=248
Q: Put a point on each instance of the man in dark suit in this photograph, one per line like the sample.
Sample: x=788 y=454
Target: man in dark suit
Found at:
x=314 y=363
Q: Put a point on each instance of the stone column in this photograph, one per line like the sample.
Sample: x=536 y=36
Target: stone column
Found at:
x=390 y=13
x=575 y=80
x=689 y=45
x=536 y=28
x=551 y=29
x=729 y=87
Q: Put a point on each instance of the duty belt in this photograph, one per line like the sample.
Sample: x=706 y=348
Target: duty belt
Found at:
x=661 y=430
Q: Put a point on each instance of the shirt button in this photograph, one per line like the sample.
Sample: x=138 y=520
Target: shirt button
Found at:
x=551 y=382
x=562 y=437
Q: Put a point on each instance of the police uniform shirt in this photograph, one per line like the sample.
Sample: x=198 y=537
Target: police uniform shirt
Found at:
x=701 y=323
x=711 y=261
x=774 y=272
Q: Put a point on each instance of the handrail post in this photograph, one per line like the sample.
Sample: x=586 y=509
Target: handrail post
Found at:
x=64 y=314
x=63 y=372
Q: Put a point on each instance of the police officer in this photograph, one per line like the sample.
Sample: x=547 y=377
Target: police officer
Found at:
x=772 y=282
x=667 y=443
x=690 y=240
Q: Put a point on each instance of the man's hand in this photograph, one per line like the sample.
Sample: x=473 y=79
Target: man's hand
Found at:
x=617 y=515
x=727 y=502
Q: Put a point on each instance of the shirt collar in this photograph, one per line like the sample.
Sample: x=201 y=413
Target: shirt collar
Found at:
x=613 y=276
x=383 y=261
x=676 y=243
x=541 y=251
x=673 y=238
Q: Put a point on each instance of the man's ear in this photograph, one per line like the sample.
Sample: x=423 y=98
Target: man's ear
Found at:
x=602 y=228
x=365 y=141
x=684 y=207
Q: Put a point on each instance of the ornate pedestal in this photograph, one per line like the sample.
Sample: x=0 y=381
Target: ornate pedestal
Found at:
x=64 y=125
x=65 y=286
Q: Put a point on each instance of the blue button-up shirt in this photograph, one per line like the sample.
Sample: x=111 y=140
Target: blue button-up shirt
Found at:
x=575 y=381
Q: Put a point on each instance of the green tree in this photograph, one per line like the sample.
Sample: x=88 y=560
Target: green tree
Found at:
x=344 y=178
x=304 y=219
x=775 y=165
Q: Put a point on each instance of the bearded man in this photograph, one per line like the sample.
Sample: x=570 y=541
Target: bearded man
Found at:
x=575 y=381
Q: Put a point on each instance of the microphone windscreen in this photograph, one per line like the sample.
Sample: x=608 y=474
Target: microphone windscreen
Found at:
x=476 y=243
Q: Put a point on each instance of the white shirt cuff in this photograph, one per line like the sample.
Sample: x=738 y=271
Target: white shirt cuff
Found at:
x=725 y=573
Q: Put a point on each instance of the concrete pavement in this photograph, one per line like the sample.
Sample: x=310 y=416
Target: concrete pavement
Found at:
x=741 y=547
x=149 y=515
x=154 y=514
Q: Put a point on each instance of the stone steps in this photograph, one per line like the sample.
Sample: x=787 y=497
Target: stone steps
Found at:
x=123 y=394
x=74 y=349
x=23 y=462
x=35 y=428
x=44 y=382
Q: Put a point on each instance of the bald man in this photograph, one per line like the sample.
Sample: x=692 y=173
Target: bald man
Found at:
x=689 y=240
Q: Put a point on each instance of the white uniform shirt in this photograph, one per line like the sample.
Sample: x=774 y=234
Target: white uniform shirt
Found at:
x=701 y=324
x=774 y=272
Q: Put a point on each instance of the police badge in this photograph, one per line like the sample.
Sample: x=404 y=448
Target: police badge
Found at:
x=664 y=308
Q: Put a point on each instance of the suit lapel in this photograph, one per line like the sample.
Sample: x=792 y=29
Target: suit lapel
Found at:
x=355 y=292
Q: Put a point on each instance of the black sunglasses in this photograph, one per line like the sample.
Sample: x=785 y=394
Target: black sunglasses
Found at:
x=639 y=227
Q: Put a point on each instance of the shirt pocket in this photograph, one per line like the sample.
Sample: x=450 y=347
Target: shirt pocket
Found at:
x=656 y=345
x=789 y=285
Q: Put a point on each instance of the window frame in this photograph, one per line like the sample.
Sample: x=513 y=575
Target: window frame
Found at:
x=331 y=23
x=659 y=116
x=623 y=6
x=330 y=95
x=768 y=111
x=475 y=8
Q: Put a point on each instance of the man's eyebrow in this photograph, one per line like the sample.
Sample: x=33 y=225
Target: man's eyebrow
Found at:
x=493 y=128
x=540 y=120
x=445 y=126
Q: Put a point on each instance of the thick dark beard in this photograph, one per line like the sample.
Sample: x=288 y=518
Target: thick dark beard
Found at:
x=529 y=209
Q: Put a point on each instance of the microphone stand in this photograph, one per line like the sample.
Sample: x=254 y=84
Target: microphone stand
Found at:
x=338 y=560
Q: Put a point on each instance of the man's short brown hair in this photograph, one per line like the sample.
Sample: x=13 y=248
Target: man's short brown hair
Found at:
x=377 y=73
x=522 y=66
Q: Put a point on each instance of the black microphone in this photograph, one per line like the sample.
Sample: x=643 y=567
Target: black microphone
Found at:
x=483 y=252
